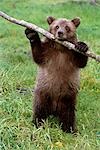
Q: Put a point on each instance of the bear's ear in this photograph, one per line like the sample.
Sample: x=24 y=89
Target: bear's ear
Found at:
x=50 y=19
x=76 y=21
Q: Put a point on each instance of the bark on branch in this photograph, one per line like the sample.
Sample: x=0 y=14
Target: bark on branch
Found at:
x=69 y=45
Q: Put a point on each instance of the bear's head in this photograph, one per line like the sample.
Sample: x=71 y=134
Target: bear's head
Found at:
x=63 y=29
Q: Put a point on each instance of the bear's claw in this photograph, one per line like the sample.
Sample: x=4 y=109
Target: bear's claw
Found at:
x=82 y=47
x=31 y=34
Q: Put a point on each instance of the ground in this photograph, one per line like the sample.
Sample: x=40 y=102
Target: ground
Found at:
x=17 y=71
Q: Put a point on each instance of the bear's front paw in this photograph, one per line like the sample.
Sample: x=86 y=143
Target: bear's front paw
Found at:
x=82 y=47
x=31 y=34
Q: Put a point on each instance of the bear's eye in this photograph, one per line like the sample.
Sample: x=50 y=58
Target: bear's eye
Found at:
x=57 y=27
x=67 y=29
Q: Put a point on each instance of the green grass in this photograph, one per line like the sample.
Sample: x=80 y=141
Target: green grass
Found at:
x=18 y=70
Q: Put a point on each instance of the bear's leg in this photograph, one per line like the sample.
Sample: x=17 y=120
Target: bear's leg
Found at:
x=41 y=108
x=80 y=59
x=35 y=42
x=66 y=113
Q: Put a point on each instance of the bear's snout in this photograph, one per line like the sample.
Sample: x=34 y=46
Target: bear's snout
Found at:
x=60 y=33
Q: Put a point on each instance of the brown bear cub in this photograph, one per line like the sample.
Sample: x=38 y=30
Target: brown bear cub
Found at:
x=59 y=72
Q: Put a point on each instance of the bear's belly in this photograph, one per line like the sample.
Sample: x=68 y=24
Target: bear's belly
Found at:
x=59 y=77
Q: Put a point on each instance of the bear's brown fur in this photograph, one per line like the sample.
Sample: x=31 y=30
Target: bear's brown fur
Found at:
x=59 y=72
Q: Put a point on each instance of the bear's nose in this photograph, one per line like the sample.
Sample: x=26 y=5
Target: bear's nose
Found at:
x=60 y=33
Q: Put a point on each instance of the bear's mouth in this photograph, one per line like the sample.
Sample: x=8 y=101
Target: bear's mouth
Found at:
x=61 y=39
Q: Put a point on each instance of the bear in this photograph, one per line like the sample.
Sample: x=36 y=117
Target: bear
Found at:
x=58 y=78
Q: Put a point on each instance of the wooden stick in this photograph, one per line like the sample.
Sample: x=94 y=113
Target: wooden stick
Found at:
x=69 y=45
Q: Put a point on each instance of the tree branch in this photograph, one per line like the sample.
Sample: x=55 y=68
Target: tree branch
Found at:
x=69 y=45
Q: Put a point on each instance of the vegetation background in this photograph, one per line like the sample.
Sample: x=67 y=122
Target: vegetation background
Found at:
x=18 y=75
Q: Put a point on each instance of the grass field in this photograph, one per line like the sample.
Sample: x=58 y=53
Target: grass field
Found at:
x=17 y=70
